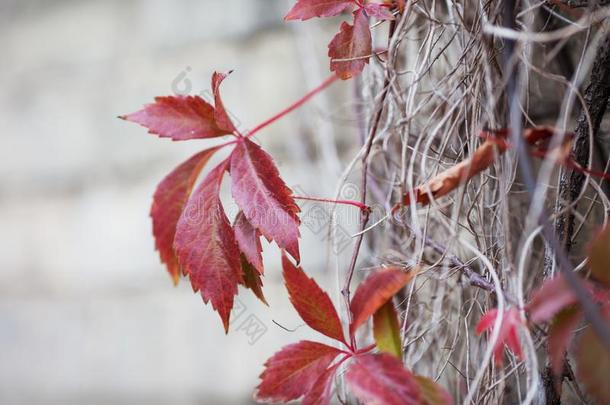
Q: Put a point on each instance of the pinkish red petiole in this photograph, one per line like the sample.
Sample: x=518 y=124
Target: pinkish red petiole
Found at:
x=294 y=106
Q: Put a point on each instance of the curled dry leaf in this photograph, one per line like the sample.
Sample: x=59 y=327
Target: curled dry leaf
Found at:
x=351 y=48
x=448 y=180
x=206 y=247
x=484 y=156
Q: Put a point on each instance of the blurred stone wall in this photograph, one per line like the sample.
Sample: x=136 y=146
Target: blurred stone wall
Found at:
x=87 y=313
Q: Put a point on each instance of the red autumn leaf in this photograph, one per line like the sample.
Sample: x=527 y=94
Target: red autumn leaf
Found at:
x=560 y=334
x=321 y=391
x=386 y=330
x=552 y=296
x=351 y=48
x=509 y=331
x=375 y=291
x=263 y=197
x=220 y=113
x=378 y=11
x=179 y=118
x=252 y=279
x=168 y=203
x=593 y=359
x=291 y=373
x=306 y=9
x=432 y=393
x=206 y=247
x=382 y=379
x=311 y=302
x=248 y=239
x=599 y=259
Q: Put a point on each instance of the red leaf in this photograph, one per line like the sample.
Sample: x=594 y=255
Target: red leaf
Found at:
x=432 y=393
x=378 y=11
x=252 y=279
x=351 y=48
x=560 y=334
x=509 y=331
x=552 y=296
x=375 y=291
x=306 y=9
x=593 y=360
x=311 y=302
x=291 y=373
x=179 y=118
x=321 y=391
x=220 y=114
x=382 y=379
x=263 y=197
x=599 y=259
x=168 y=202
x=248 y=239
x=206 y=247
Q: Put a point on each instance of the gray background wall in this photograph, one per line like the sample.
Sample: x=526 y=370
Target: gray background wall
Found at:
x=87 y=313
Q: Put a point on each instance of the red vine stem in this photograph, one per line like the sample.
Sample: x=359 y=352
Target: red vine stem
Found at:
x=358 y=204
x=294 y=106
x=364 y=215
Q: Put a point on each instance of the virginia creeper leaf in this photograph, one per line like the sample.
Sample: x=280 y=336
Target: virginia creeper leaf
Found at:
x=378 y=11
x=206 y=247
x=248 y=239
x=594 y=365
x=321 y=391
x=220 y=113
x=552 y=296
x=509 y=332
x=306 y=9
x=386 y=330
x=560 y=334
x=382 y=379
x=290 y=373
x=351 y=48
x=179 y=118
x=311 y=302
x=599 y=257
x=252 y=279
x=375 y=291
x=168 y=203
x=263 y=197
x=432 y=393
